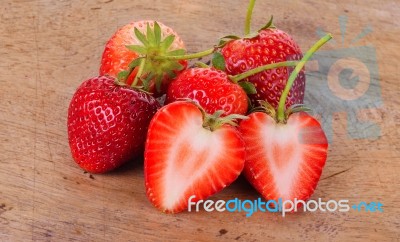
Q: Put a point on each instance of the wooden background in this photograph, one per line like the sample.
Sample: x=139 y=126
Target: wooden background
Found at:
x=47 y=48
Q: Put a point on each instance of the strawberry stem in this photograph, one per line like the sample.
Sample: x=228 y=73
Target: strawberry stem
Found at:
x=281 y=107
x=186 y=57
x=259 y=69
x=201 y=65
x=139 y=73
x=247 y=25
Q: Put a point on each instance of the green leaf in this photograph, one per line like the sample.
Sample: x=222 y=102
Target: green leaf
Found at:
x=137 y=48
x=146 y=81
x=231 y=37
x=167 y=42
x=158 y=82
x=157 y=33
x=251 y=35
x=175 y=66
x=150 y=35
x=171 y=74
x=135 y=63
x=269 y=24
x=248 y=87
x=122 y=76
x=176 y=52
x=297 y=108
x=201 y=65
x=141 y=37
x=218 y=61
x=224 y=40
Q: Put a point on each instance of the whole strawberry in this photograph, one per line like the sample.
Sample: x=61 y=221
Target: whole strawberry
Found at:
x=269 y=45
x=211 y=89
x=130 y=54
x=107 y=123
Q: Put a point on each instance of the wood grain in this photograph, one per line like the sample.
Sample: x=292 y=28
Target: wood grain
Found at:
x=47 y=48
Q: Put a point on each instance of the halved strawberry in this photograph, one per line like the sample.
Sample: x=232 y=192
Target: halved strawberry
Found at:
x=284 y=160
x=189 y=153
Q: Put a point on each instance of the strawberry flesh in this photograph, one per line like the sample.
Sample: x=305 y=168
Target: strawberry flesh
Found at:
x=284 y=160
x=182 y=158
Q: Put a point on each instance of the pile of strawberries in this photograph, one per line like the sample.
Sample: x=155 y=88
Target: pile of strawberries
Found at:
x=200 y=140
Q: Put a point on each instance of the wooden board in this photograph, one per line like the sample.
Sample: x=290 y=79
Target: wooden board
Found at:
x=47 y=48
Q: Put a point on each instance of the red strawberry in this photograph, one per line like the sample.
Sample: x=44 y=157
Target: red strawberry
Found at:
x=107 y=124
x=189 y=153
x=284 y=160
x=145 y=39
x=211 y=89
x=270 y=45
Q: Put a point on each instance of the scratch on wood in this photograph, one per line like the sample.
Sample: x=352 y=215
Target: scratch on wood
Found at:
x=335 y=174
x=240 y=236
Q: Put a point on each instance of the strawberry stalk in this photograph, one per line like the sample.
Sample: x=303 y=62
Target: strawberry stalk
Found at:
x=241 y=76
x=281 y=117
x=247 y=25
x=188 y=56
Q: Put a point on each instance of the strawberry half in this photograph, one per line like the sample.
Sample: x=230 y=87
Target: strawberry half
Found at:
x=140 y=43
x=211 y=89
x=284 y=160
x=286 y=149
x=189 y=153
x=107 y=124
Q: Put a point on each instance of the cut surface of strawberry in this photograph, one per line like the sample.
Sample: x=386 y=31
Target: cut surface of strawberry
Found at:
x=284 y=160
x=184 y=156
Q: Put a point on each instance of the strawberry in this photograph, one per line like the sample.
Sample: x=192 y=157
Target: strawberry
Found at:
x=269 y=45
x=189 y=152
x=107 y=124
x=211 y=89
x=139 y=43
x=286 y=150
x=284 y=160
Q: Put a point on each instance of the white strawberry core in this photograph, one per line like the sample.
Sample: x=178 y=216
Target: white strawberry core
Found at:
x=284 y=153
x=193 y=152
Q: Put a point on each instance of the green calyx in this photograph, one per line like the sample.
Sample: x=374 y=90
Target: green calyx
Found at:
x=214 y=121
x=149 y=67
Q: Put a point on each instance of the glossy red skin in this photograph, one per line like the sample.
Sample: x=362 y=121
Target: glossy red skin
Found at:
x=116 y=57
x=211 y=89
x=280 y=154
x=107 y=124
x=270 y=46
